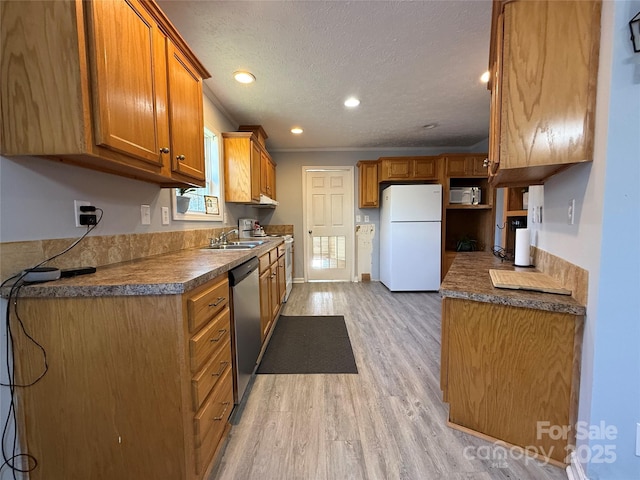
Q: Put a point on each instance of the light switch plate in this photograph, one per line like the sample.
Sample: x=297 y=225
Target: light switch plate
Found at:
x=145 y=214
x=366 y=218
x=358 y=218
x=165 y=215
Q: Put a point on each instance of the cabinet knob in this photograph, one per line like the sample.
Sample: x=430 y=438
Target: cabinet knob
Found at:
x=485 y=163
x=180 y=157
x=164 y=150
x=310 y=232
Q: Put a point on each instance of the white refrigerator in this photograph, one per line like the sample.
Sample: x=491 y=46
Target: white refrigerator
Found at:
x=410 y=237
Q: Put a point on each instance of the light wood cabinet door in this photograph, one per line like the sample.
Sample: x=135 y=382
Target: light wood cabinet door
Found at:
x=424 y=169
x=186 y=117
x=478 y=166
x=265 y=303
x=274 y=293
x=126 y=94
x=256 y=164
x=368 y=196
x=396 y=169
x=456 y=166
x=548 y=76
x=495 y=383
x=282 y=276
x=271 y=180
x=267 y=176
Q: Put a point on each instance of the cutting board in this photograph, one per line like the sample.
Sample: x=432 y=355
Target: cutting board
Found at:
x=536 y=281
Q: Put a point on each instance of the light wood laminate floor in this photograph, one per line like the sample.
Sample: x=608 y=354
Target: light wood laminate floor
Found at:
x=386 y=422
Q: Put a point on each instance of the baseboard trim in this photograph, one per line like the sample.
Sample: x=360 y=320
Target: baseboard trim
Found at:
x=574 y=469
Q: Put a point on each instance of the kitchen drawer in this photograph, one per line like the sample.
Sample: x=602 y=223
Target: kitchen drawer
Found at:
x=265 y=261
x=209 y=423
x=203 y=305
x=209 y=340
x=281 y=250
x=208 y=377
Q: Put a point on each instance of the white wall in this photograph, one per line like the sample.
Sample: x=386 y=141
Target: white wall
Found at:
x=605 y=240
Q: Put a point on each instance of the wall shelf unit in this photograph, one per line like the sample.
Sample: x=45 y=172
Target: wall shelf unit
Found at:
x=514 y=215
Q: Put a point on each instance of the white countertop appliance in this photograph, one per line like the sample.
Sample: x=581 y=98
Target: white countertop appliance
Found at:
x=246 y=227
x=410 y=237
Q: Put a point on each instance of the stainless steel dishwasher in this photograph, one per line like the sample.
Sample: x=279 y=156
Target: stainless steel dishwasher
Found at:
x=246 y=322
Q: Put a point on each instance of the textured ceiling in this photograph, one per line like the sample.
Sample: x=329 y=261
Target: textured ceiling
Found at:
x=411 y=63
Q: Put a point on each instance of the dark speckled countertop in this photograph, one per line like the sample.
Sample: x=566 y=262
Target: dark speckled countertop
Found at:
x=168 y=274
x=468 y=278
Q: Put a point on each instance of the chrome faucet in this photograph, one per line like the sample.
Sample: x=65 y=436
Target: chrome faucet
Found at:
x=222 y=240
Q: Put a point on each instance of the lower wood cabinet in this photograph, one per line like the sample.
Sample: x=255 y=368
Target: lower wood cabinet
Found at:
x=506 y=368
x=138 y=387
x=272 y=288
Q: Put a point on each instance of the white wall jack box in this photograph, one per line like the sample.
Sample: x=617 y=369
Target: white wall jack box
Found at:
x=145 y=214
x=76 y=209
x=165 y=215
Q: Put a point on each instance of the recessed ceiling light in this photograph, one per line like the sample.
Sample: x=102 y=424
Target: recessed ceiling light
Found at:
x=296 y=130
x=429 y=126
x=484 y=78
x=244 y=77
x=351 y=102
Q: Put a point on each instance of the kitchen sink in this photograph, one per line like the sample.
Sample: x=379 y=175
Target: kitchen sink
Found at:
x=236 y=245
x=232 y=246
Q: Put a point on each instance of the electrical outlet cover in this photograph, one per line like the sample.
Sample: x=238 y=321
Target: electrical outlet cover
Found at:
x=76 y=209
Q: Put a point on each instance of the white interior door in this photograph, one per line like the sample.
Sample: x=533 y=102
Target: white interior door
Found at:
x=328 y=220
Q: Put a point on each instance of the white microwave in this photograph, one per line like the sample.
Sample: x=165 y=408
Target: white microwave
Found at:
x=465 y=195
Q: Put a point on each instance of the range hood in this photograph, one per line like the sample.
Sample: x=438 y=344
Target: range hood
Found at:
x=266 y=202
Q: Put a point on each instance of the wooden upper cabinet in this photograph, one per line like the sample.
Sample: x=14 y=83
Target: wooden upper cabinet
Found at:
x=425 y=168
x=131 y=123
x=545 y=72
x=186 y=116
x=368 y=196
x=248 y=168
x=408 y=168
x=255 y=186
x=465 y=165
x=267 y=176
x=101 y=97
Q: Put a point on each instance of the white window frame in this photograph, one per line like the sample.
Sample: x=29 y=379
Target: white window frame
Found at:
x=209 y=166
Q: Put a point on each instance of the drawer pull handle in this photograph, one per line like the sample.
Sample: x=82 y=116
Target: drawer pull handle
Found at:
x=217 y=339
x=218 y=301
x=180 y=158
x=224 y=365
x=226 y=406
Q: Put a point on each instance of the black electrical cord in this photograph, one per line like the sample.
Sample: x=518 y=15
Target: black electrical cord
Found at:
x=10 y=458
